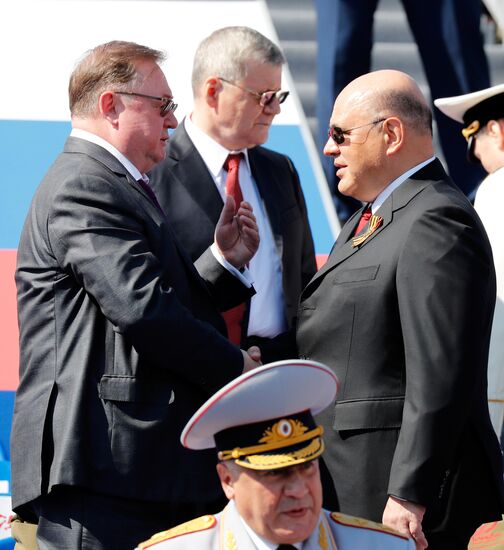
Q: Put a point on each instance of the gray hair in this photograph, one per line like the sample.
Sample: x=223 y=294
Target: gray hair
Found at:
x=227 y=52
x=411 y=109
x=109 y=66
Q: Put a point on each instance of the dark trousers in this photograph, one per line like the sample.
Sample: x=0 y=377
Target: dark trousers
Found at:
x=76 y=519
x=453 y=64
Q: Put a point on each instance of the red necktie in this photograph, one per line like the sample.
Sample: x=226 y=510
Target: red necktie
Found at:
x=234 y=316
x=232 y=165
x=365 y=217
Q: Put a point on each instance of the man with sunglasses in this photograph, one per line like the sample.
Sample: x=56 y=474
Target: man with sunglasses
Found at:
x=482 y=114
x=236 y=82
x=121 y=339
x=402 y=313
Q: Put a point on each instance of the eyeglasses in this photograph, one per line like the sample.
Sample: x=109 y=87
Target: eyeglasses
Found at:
x=265 y=98
x=167 y=104
x=338 y=134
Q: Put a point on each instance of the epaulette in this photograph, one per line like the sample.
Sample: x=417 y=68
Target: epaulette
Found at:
x=352 y=521
x=193 y=526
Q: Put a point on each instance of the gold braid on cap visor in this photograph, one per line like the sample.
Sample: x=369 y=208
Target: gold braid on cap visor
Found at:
x=471 y=129
x=237 y=452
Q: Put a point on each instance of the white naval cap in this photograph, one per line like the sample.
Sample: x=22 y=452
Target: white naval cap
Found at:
x=264 y=418
x=459 y=107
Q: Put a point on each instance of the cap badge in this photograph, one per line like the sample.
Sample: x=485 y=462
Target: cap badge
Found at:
x=282 y=430
x=471 y=129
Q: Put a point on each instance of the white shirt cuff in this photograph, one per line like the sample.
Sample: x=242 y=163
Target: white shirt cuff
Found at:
x=244 y=276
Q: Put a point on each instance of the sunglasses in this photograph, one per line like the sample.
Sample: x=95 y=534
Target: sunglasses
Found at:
x=265 y=98
x=167 y=104
x=337 y=134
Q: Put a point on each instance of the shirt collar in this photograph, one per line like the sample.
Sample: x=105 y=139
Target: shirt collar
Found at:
x=380 y=199
x=97 y=140
x=260 y=542
x=213 y=154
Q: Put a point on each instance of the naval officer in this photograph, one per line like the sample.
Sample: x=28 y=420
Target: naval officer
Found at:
x=268 y=446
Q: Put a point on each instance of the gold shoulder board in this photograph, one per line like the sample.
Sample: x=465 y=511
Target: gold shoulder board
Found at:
x=352 y=521
x=193 y=526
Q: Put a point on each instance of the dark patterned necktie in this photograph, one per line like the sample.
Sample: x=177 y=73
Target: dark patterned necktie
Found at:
x=286 y=547
x=148 y=189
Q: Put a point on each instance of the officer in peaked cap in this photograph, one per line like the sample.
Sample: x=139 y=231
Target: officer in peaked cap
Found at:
x=475 y=111
x=268 y=444
x=482 y=113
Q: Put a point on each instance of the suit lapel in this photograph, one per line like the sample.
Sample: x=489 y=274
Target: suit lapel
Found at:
x=344 y=248
x=76 y=145
x=193 y=174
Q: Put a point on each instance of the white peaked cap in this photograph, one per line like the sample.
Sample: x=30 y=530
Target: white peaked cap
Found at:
x=274 y=390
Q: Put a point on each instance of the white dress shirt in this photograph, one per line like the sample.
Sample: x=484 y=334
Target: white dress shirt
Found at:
x=267 y=309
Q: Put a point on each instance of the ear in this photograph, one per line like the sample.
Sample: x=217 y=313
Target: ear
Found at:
x=227 y=480
x=393 y=131
x=495 y=129
x=108 y=107
x=500 y=131
x=212 y=87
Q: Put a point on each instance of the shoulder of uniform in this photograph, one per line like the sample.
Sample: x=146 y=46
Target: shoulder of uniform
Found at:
x=199 y=524
x=352 y=521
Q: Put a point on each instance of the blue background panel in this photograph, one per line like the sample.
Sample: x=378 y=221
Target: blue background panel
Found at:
x=30 y=147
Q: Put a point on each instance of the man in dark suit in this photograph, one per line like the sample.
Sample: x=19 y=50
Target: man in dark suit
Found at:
x=402 y=311
x=120 y=338
x=447 y=34
x=236 y=85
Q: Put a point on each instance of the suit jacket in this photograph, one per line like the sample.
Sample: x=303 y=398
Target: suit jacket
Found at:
x=404 y=320
x=187 y=191
x=120 y=340
x=226 y=531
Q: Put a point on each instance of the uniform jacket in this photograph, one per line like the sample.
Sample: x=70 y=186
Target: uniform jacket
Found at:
x=186 y=189
x=120 y=338
x=488 y=204
x=226 y=531
x=404 y=320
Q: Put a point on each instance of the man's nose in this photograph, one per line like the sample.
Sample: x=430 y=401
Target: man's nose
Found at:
x=273 y=107
x=296 y=486
x=170 y=120
x=331 y=148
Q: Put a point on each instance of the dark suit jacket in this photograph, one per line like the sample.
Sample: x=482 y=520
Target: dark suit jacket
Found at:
x=120 y=340
x=189 y=195
x=404 y=320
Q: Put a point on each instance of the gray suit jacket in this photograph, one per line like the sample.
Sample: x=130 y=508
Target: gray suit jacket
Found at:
x=404 y=320
x=187 y=191
x=120 y=340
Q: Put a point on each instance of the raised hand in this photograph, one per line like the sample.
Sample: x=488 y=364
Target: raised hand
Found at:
x=237 y=234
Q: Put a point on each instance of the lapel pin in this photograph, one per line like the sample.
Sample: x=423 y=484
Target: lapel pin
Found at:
x=374 y=224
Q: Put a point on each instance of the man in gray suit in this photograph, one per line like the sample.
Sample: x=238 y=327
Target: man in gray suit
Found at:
x=120 y=338
x=402 y=311
x=236 y=80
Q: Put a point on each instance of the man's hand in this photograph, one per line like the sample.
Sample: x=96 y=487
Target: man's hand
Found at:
x=237 y=235
x=251 y=358
x=406 y=518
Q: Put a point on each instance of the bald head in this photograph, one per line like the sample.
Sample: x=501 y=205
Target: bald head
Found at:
x=381 y=127
x=389 y=92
